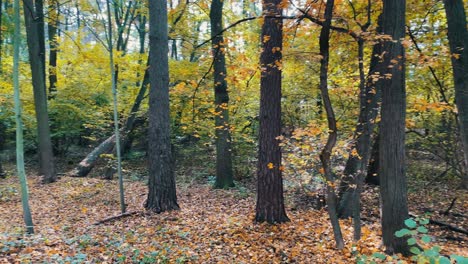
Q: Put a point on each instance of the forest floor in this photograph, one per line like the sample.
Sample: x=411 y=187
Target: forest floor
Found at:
x=212 y=226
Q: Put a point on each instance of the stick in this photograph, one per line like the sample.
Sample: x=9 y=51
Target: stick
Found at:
x=115 y=217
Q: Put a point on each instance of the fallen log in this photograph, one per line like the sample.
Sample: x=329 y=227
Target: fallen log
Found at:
x=88 y=163
x=115 y=217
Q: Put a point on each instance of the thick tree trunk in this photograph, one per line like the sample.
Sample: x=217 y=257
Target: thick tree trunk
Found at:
x=325 y=155
x=270 y=200
x=53 y=46
x=359 y=154
x=224 y=173
x=393 y=191
x=458 y=39
x=46 y=159
x=162 y=186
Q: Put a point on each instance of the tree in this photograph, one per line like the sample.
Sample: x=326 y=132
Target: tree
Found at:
x=392 y=127
x=46 y=159
x=19 y=124
x=325 y=155
x=162 y=186
x=224 y=174
x=270 y=200
x=458 y=39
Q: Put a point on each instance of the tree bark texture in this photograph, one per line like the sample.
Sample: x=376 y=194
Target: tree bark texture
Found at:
x=53 y=46
x=162 y=186
x=224 y=173
x=46 y=159
x=359 y=154
x=458 y=39
x=270 y=200
x=393 y=192
x=325 y=155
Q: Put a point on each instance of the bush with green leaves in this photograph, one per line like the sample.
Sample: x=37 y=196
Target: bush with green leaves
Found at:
x=419 y=241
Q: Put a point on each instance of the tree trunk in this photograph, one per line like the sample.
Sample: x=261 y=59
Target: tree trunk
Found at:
x=19 y=124
x=224 y=174
x=46 y=160
x=325 y=155
x=88 y=163
x=162 y=186
x=458 y=39
x=270 y=200
x=359 y=154
x=393 y=191
x=373 y=167
x=53 y=46
x=1 y=34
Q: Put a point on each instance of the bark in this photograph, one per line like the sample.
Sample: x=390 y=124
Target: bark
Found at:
x=2 y=172
x=359 y=154
x=270 y=201
x=53 y=46
x=46 y=159
x=458 y=40
x=88 y=163
x=325 y=155
x=19 y=123
x=393 y=192
x=373 y=168
x=162 y=186
x=224 y=173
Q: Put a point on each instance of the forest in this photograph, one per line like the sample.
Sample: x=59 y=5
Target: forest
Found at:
x=237 y=131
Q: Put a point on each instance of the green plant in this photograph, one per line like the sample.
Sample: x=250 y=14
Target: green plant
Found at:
x=419 y=242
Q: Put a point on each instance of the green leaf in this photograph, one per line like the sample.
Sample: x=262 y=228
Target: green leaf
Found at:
x=432 y=252
x=403 y=232
x=379 y=255
x=459 y=259
x=426 y=239
x=422 y=229
x=415 y=250
x=423 y=221
x=410 y=223
x=444 y=260
x=412 y=241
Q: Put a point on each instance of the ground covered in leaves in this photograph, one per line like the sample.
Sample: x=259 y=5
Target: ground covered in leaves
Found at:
x=213 y=226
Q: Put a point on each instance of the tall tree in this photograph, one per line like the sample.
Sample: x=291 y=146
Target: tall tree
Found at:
x=458 y=39
x=325 y=155
x=270 y=200
x=224 y=174
x=393 y=191
x=162 y=186
x=46 y=159
x=115 y=108
x=19 y=124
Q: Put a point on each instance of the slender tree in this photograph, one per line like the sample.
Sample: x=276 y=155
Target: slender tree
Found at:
x=393 y=191
x=19 y=124
x=458 y=39
x=116 y=112
x=359 y=155
x=325 y=155
x=270 y=200
x=46 y=159
x=224 y=174
x=162 y=186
